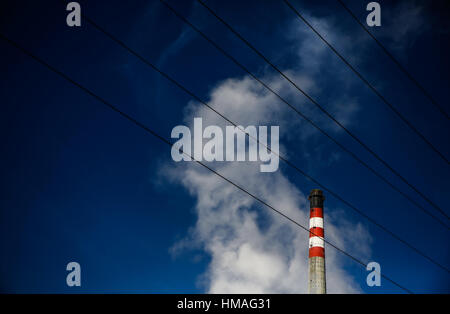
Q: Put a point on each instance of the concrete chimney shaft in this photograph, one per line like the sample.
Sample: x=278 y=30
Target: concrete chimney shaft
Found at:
x=317 y=278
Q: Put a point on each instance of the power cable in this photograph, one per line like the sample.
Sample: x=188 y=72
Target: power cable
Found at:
x=399 y=65
x=168 y=142
x=145 y=61
x=386 y=181
x=371 y=87
x=321 y=108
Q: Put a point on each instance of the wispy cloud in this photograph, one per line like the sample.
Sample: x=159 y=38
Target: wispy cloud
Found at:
x=406 y=21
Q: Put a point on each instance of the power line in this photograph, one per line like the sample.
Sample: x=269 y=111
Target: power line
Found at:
x=145 y=61
x=402 y=68
x=322 y=109
x=168 y=142
x=225 y=53
x=365 y=81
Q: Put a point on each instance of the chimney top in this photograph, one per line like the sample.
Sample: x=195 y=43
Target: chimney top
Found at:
x=316 y=193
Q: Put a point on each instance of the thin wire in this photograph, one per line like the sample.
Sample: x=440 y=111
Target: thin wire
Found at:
x=298 y=88
x=346 y=130
x=145 y=61
x=402 y=68
x=310 y=121
x=168 y=142
x=320 y=107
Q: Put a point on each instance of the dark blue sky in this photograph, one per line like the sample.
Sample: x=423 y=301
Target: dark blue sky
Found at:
x=80 y=183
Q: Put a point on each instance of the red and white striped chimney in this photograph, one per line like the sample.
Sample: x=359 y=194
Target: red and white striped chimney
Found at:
x=316 y=280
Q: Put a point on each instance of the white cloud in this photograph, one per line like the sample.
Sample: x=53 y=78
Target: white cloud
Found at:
x=252 y=249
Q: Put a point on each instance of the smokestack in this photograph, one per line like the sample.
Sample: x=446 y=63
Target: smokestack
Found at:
x=316 y=283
